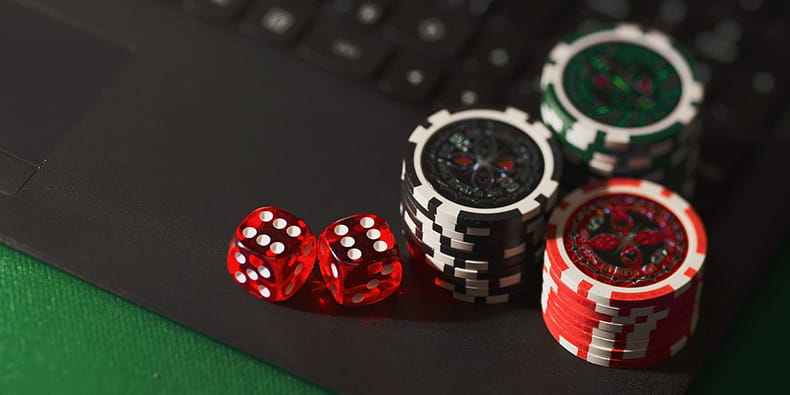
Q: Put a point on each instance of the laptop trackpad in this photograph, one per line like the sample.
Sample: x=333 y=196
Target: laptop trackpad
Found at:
x=50 y=75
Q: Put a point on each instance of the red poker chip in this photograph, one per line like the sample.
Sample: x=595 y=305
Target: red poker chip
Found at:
x=667 y=324
x=623 y=357
x=623 y=305
x=622 y=343
x=585 y=322
x=581 y=351
x=638 y=319
x=663 y=328
x=662 y=301
x=625 y=240
x=663 y=337
x=626 y=350
x=604 y=311
x=662 y=331
x=573 y=305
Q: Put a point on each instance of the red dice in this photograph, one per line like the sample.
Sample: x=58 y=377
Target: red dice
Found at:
x=271 y=253
x=359 y=260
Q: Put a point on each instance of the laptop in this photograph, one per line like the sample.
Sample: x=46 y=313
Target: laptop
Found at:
x=136 y=134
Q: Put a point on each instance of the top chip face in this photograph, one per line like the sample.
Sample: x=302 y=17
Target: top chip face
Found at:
x=482 y=163
x=622 y=84
x=619 y=86
x=625 y=240
x=485 y=168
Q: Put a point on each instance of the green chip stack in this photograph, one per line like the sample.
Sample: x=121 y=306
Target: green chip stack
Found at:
x=623 y=101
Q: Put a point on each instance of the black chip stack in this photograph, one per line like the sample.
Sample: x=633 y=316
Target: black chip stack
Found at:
x=476 y=188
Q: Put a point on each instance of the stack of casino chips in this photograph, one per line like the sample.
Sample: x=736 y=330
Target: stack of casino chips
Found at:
x=476 y=189
x=623 y=101
x=622 y=275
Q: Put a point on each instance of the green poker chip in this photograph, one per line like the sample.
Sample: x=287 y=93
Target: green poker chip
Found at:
x=619 y=88
x=678 y=177
x=636 y=165
x=623 y=101
x=584 y=144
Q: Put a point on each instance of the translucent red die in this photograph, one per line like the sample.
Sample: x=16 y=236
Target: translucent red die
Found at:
x=359 y=260
x=271 y=253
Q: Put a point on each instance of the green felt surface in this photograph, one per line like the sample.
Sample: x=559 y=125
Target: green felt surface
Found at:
x=61 y=335
x=753 y=358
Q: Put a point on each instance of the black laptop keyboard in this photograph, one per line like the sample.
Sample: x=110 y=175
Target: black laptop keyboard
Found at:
x=453 y=53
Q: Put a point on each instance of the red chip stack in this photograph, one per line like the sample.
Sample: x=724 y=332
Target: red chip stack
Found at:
x=622 y=274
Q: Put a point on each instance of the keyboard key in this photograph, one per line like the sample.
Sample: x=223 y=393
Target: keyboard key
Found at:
x=214 y=10
x=429 y=31
x=639 y=11
x=278 y=22
x=763 y=10
x=610 y=9
x=370 y=13
x=364 y=13
x=472 y=7
x=755 y=91
x=670 y=14
x=537 y=18
x=410 y=78
x=720 y=43
x=466 y=91
x=722 y=32
x=498 y=50
x=525 y=94
x=589 y=14
x=350 y=52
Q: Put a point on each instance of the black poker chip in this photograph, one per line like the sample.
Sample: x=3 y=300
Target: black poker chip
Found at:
x=515 y=230
x=441 y=245
x=481 y=244
x=471 y=265
x=476 y=189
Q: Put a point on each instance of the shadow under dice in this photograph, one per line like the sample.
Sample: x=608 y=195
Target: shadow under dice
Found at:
x=359 y=260
x=271 y=253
